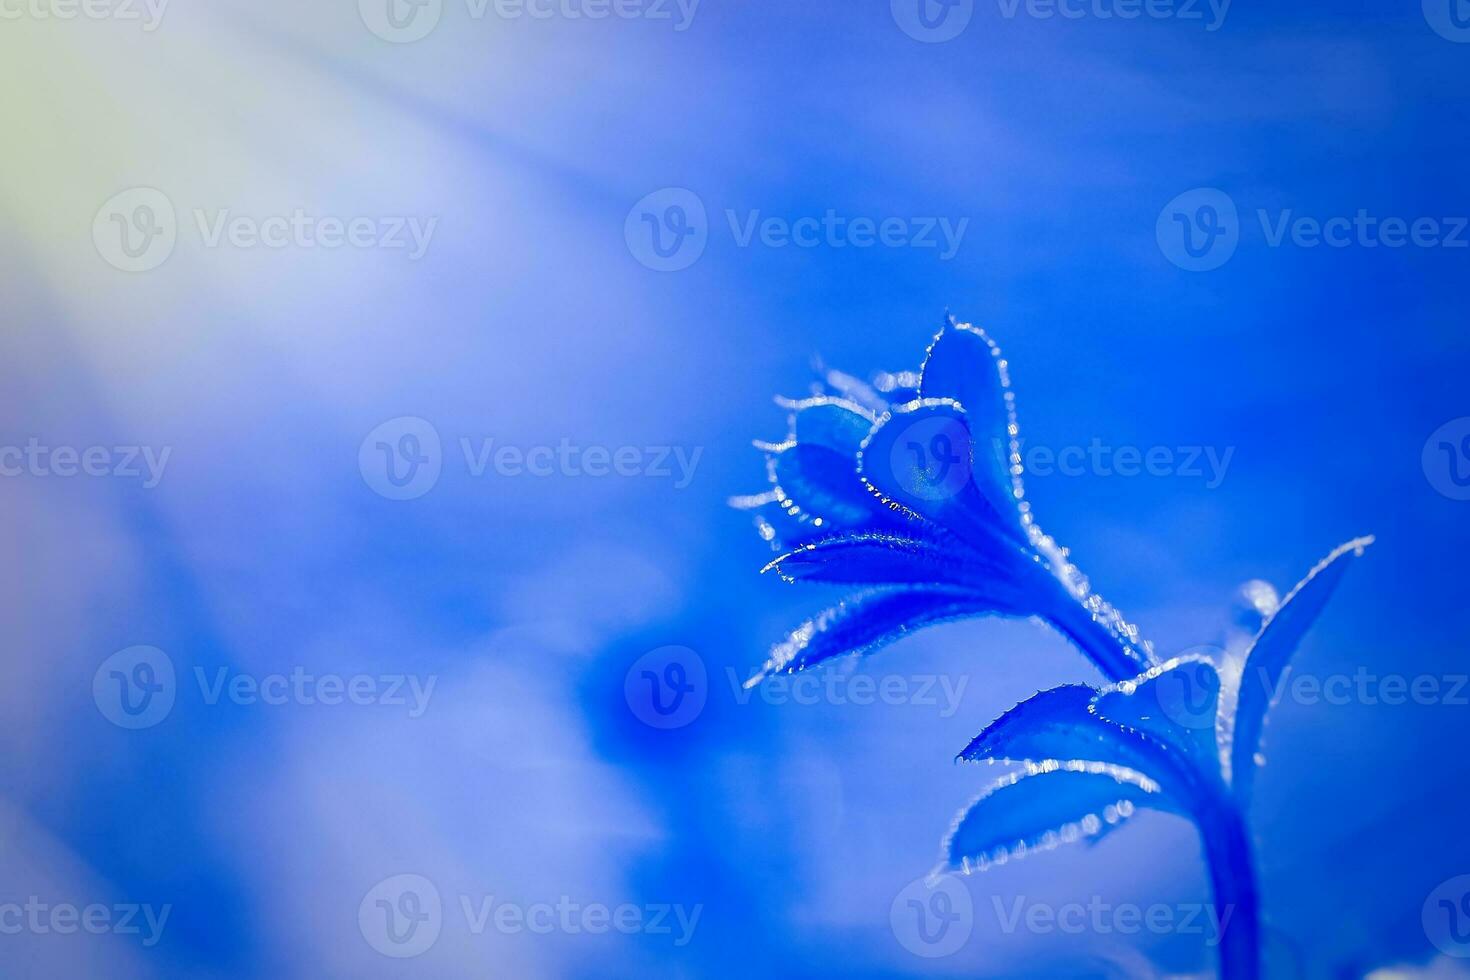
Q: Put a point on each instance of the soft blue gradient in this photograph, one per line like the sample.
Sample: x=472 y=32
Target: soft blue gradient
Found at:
x=529 y=321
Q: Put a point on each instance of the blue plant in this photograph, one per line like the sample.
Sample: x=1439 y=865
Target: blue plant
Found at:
x=911 y=488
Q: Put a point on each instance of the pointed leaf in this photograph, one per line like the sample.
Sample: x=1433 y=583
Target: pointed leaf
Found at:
x=965 y=365
x=867 y=622
x=887 y=559
x=1062 y=723
x=1269 y=655
x=1045 y=806
x=1175 y=704
x=1052 y=724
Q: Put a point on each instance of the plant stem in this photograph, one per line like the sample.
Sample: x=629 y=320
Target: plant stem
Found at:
x=1227 y=849
x=1118 y=659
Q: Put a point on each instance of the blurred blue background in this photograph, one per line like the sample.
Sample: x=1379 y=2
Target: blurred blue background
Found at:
x=533 y=318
